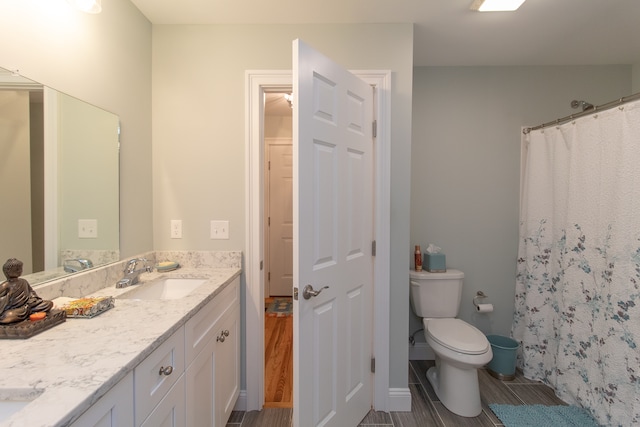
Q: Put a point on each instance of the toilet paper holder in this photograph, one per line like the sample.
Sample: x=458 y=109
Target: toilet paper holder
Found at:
x=479 y=295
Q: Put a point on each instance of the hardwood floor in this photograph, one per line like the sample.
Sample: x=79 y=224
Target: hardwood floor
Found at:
x=278 y=356
x=426 y=409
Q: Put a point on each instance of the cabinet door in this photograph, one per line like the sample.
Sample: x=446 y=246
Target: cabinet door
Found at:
x=170 y=412
x=201 y=328
x=200 y=381
x=227 y=366
x=153 y=380
x=113 y=409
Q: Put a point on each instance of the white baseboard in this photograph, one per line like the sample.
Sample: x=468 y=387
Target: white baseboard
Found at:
x=241 y=403
x=421 y=351
x=399 y=400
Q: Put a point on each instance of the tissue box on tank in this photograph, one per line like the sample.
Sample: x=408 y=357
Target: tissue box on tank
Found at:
x=435 y=263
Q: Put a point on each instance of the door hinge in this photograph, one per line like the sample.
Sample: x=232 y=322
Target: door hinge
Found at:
x=373 y=248
x=269 y=165
x=374 y=128
x=268 y=221
x=373 y=365
x=268 y=276
x=295 y=293
x=261 y=265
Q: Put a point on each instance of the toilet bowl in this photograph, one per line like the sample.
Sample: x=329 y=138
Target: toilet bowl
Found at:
x=459 y=348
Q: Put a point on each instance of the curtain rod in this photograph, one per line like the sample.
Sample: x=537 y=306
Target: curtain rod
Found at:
x=606 y=106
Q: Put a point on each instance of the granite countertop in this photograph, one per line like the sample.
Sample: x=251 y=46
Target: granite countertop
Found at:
x=74 y=363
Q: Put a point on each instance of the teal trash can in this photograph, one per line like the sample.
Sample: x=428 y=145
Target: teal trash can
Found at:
x=503 y=364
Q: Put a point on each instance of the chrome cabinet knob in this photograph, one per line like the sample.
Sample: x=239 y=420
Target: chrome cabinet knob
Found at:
x=222 y=336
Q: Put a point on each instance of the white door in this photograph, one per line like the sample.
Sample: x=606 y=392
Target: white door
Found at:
x=280 y=217
x=333 y=210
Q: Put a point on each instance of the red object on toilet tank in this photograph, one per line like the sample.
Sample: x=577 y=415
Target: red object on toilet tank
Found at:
x=418 y=258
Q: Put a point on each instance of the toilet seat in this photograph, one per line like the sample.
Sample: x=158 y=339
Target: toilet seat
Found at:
x=457 y=335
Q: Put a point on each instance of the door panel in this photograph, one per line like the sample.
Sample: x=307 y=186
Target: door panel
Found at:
x=323 y=193
x=325 y=323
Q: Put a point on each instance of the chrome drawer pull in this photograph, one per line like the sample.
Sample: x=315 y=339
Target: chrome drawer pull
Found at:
x=165 y=370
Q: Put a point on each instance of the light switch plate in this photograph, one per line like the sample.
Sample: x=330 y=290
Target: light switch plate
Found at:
x=87 y=228
x=220 y=229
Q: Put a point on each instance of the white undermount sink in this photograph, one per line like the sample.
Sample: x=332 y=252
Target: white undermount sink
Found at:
x=13 y=400
x=164 y=288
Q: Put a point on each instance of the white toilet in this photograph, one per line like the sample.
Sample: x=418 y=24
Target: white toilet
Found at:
x=460 y=348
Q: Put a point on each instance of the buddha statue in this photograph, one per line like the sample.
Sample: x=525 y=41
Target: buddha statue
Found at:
x=17 y=299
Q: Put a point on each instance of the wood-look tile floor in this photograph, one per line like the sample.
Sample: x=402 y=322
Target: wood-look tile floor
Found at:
x=426 y=409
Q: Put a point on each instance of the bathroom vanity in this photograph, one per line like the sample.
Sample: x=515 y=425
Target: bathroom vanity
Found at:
x=141 y=363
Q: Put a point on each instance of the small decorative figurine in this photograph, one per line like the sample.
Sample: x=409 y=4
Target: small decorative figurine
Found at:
x=17 y=299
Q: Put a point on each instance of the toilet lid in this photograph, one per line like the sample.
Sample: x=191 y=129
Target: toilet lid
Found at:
x=457 y=335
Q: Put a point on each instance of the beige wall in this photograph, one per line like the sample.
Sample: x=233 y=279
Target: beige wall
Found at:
x=105 y=60
x=636 y=78
x=466 y=159
x=199 y=131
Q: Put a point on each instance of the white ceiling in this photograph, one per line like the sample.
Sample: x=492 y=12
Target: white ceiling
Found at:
x=276 y=105
x=541 y=32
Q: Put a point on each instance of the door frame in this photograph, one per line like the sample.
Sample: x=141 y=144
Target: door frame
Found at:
x=256 y=83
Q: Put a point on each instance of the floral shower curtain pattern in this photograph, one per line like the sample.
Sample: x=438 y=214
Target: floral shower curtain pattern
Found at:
x=577 y=301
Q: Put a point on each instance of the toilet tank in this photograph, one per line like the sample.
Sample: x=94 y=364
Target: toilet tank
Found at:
x=436 y=294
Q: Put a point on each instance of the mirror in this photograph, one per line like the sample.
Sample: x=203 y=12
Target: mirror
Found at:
x=59 y=169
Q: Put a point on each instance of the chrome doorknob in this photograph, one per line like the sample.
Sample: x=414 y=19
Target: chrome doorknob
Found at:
x=309 y=292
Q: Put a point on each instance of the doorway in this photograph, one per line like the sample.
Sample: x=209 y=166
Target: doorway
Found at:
x=257 y=83
x=278 y=250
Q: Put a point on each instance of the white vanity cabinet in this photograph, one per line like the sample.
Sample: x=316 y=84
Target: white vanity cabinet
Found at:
x=213 y=359
x=113 y=409
x=192 y=379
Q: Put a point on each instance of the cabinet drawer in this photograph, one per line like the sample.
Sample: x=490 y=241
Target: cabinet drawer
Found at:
x=113 y=409
x=150 y=384
x=171 y=410
x=199 y=330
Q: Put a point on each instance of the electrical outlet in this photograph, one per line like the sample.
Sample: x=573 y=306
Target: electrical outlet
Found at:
x=87 y=228
x=220 y=229
x=176 y=229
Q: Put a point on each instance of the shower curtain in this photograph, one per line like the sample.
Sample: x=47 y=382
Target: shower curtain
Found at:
x=577 y=304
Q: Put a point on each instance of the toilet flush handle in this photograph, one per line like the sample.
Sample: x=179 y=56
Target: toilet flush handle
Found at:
x=309 y=292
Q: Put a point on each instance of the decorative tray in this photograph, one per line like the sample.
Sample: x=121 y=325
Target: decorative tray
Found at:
x=28 y=328
x=86 y=308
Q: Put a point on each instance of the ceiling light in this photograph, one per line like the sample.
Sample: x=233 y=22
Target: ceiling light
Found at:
x=89 y=6
x=496 y=5
x=289 y=98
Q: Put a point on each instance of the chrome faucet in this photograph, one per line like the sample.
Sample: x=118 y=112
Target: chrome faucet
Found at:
x=77 y=264
x=131 y=275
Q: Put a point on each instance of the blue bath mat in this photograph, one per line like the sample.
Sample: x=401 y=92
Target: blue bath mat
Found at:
x=541 y=415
